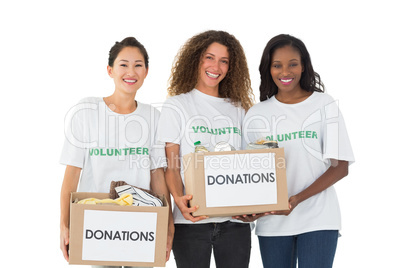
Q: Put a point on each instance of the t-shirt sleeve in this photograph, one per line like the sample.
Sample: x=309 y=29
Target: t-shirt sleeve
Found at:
x=245 y=136
x=170 y=123
x=336 y=139
x=157 y=154
x=254 y=126
x=73 y=152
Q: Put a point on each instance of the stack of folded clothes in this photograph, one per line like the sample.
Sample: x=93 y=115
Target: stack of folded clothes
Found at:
x=141 y=197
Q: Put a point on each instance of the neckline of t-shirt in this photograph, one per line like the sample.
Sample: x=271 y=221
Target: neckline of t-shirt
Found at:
x=207 y=97
x=139 y=105
x=307 y=100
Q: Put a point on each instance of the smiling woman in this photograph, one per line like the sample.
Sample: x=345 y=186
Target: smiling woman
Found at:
x=213 y=68
x=207 y=47
x=210 y=91
x=105 y=136
x=128 y=68
x=318 y=154
x=128 y=73
x=290 y=66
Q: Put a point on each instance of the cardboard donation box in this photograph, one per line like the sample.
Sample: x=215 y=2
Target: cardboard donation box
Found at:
x=117 y=235
x=236 y=182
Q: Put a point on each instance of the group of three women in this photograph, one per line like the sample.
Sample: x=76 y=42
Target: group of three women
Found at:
x=210 y=87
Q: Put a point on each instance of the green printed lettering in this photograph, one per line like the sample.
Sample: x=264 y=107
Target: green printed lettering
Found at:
x=211 y=131
x=315 y=135
x=145 y=151
x=236 y=130
x=196 y=129
x=216 y=131
x=294 y=135
x=115 y=152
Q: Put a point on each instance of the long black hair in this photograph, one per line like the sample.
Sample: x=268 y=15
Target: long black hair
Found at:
x=310 y=80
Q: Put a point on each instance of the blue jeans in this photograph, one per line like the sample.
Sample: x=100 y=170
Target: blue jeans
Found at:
x=309 y=250
x=193 y=244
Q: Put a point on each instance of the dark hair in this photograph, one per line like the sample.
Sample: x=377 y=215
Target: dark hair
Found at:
x=236 y=85
x=310 y=80
x=127 y=42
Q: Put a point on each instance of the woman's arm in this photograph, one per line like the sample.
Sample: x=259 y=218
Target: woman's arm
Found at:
x=338 y=170
x=70 y=183
x=175 y=184
x=158 y=185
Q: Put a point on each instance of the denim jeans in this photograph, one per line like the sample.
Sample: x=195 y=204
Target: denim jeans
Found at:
x=309 y=250
x=229 y=241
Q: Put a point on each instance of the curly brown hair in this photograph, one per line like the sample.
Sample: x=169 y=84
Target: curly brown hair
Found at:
x=236 y=85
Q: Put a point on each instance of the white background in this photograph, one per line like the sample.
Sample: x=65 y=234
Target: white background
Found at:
x=54 y=53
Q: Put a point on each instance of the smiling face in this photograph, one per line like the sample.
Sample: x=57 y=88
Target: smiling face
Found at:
x=214 y=65
x=286 y=70
x=128 y=70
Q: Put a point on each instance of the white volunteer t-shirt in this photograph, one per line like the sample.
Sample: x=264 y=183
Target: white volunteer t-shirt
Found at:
x=110 y=146
x=195 y=116
x=311 y=132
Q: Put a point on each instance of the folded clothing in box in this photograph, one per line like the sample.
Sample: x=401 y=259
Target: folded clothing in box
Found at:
x=141 y=197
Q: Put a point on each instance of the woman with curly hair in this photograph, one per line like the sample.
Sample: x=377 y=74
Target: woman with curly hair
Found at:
x=210 y=91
